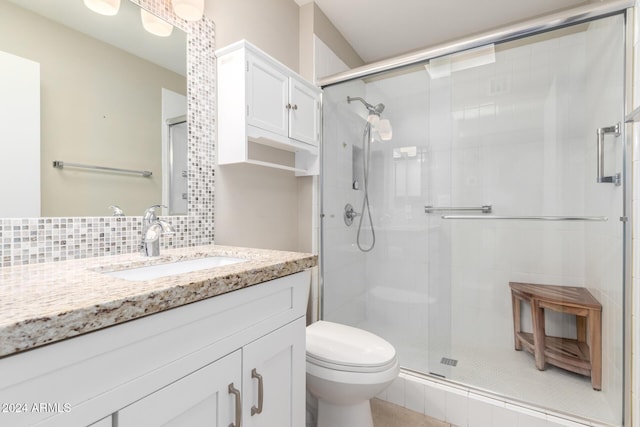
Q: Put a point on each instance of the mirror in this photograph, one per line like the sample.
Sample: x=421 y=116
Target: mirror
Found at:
x=88 y=89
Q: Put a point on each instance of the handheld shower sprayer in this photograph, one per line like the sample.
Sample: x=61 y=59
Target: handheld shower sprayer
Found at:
x=383 y=127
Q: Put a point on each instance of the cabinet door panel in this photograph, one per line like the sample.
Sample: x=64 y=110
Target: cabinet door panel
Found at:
x=201 y=398
x=304 y=120
x=267 y=97
x=280 y=359
x=105 y=422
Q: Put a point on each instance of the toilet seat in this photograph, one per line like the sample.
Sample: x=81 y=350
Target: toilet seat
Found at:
x=344 y=348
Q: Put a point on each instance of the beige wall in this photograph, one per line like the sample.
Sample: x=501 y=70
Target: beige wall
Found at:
x=272 y=25
x=258 y=206
x=101 y=106
x=329 y=34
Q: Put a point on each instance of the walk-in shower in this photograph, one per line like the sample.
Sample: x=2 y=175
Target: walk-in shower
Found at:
x=491 y=178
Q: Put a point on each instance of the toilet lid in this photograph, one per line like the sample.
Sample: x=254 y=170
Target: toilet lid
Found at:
x=343 y=345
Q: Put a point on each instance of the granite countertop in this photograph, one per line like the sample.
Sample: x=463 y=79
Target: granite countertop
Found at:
x=49 y=302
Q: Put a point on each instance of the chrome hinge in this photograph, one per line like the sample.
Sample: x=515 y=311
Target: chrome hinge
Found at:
x=624 y=218
x=247 y=66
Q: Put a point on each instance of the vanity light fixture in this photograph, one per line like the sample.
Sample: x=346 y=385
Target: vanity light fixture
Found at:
x=103 y=7
x=189 y=10
x=155 y=25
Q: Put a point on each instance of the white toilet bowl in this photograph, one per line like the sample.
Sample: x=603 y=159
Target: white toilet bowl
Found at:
x=346 y=367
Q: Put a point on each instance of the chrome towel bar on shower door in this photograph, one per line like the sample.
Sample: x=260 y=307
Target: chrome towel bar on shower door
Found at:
x=529 y=218
x=431 y=209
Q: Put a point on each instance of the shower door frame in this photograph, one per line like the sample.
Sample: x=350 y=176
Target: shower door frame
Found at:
x=512 y=32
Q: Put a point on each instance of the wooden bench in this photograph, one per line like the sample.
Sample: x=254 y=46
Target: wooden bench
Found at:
x=575 y=355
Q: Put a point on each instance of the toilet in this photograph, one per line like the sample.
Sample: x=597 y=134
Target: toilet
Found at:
x=346 y=367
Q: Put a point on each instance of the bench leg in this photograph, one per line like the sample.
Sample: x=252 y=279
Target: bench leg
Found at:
x=537 y=315
x=595 y=348
x=581 y=328
x=515 y=304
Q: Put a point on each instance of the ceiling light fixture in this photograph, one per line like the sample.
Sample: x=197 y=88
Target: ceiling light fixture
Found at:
x=103 y=7
x=189 y=10
x=155 y=25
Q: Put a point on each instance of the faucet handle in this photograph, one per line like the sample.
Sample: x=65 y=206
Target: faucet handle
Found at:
x=150 y=213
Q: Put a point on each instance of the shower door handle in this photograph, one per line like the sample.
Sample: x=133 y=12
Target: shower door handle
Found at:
x=601 y=132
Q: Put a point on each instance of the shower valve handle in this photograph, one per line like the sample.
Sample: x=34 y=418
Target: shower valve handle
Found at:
x=349 y=214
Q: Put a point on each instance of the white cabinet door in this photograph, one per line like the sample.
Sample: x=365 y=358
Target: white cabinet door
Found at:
x=105 y=422
x=305 y=114
x=279 y=358
x=201 y=398
x=267 y=97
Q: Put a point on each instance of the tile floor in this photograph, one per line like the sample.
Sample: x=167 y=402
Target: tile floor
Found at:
x=387 y=414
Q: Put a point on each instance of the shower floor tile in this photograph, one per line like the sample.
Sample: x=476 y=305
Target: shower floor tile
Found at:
x=508 y=373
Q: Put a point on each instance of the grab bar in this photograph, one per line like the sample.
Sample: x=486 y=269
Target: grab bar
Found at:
x=60 y=165
x=484 y=209
x=600 y=132
x=529 y=218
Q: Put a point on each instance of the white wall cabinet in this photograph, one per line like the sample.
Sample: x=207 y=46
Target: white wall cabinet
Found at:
x=262 y=101
x=174 y=368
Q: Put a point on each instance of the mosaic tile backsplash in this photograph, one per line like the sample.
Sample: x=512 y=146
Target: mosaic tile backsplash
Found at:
x=35 y=240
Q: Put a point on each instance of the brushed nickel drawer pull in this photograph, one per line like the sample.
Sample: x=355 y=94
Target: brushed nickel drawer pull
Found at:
x=256 y=375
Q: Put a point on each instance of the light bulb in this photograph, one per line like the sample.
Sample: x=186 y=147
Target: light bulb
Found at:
x=189 y=10
x=384 y=129
x=155 y=25
x=373 y=119
x=103 y=7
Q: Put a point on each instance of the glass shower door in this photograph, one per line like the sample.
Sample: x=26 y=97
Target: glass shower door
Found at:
x=513 y=165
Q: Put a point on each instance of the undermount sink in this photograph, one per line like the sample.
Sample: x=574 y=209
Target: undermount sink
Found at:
x=173 y=268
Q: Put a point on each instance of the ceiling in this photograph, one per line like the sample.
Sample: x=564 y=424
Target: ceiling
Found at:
x=380 y=29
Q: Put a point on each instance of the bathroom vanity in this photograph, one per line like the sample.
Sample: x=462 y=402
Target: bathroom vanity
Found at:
x=80 y=347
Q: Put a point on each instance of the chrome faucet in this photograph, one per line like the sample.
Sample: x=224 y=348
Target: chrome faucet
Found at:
x=152 y=228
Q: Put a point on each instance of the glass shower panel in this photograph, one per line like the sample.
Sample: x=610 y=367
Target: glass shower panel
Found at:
x=509 y=130
x=519 y=134
x=385 y=290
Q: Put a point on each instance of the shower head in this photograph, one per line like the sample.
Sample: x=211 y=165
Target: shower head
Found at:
x=373 y=109
x=381 y=125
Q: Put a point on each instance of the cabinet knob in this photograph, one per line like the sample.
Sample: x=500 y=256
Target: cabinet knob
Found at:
x=294 y=106
x=288 y=106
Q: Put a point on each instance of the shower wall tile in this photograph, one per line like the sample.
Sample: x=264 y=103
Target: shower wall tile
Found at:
x=527 y=417
x=482 y=410
x=464 y=408
x=553 y=421
x=36 y=240
x=415 y=396
x=435 y=401
x=396 y=392
x=503 y=417
x=457 y=406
